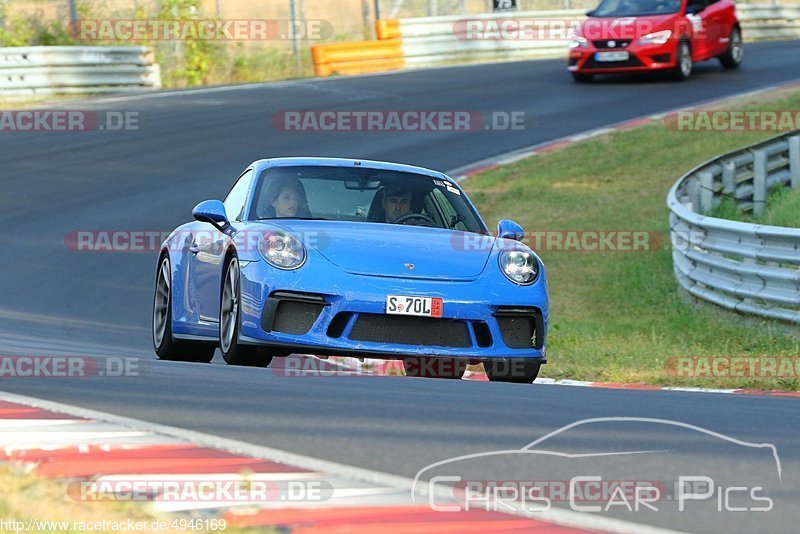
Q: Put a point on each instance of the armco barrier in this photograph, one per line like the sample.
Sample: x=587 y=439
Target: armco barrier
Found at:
x=357 y=57
x=749 y=268
x=44 y=70
x=430 y=41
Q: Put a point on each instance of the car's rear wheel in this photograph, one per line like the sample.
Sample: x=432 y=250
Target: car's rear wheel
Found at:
x=732 y=58
x=166 y=347
x=582 y=77
x=683 y=62
x=429 y=367
x=233 y=352
x=517 y=370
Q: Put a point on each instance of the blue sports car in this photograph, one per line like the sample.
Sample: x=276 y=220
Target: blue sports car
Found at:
x=353 y=258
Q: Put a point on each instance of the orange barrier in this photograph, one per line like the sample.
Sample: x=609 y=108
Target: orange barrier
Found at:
x=358 y=57
x=387 y=28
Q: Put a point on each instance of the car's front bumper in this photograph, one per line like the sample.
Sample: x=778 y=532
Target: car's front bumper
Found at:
x=330 y=311
x=641 y=59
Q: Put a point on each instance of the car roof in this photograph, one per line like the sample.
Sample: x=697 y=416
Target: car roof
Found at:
x=345 y=162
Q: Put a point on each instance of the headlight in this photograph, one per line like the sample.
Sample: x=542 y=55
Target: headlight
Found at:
x=658 y=38
x=282 y=250
x=576 y=41
x=519 y=265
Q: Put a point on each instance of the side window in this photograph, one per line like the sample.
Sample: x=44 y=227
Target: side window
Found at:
x=237 y=197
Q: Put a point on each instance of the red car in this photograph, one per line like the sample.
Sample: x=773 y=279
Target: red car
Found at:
x=623 y=36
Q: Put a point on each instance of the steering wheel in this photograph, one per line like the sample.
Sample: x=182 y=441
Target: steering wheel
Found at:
x=410 y=216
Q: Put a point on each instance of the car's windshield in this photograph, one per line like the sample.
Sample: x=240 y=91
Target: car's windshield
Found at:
x=634 y=8
x=364 y=195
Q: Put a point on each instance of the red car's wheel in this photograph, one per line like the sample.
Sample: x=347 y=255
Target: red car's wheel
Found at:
x=732 y=58
x=683 y=62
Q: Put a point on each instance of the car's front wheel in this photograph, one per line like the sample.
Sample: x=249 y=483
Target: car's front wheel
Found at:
x=683 y=62
x=517 y=370
x=233 y=352
x=732 y=58
x=428 y=367
x=166 y=347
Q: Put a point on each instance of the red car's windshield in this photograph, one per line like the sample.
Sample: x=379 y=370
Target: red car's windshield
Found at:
x=634 y=8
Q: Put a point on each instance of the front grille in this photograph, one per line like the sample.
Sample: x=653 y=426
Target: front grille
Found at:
x=618 y=44
x=411 y=331
x=291 y=313
x=632 y=61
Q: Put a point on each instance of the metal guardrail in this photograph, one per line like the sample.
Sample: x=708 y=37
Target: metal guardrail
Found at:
x=45 y=70
x=748 y=268
x=430 y=41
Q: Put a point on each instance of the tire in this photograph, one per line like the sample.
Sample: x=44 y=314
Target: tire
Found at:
x=429 y=367
x=683 y=62
x=581 y=77
x=516 y=370
x=167 y=347
x=732 y=58
x=233 y=352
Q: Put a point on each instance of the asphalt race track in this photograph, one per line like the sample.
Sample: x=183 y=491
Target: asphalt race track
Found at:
x=190 y=146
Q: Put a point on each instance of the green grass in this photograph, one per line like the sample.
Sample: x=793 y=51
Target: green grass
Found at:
x=618 y=316
x=783 y=209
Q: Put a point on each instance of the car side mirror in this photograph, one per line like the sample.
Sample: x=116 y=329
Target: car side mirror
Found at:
x=211 y=211
x=510 y=230
x=694 y=9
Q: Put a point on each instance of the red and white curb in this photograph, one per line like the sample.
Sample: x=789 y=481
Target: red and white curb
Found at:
x=85 y=447
x=466 y=171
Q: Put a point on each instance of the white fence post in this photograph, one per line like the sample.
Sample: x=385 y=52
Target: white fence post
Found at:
x=759 y=181
x=729 y=177
x=794 y=159
x=706 y=192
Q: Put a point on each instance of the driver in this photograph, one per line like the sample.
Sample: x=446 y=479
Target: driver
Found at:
x=396 y=202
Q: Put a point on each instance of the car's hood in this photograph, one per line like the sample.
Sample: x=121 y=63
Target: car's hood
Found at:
x=391 y=250
x=626 y=28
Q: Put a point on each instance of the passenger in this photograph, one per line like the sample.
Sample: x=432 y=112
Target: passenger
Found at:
x=286 y=197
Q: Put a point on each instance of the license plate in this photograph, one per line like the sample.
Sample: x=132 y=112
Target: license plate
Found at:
x=420 y=306
x=612 y=56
